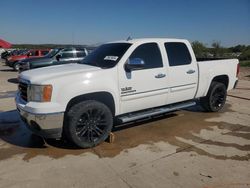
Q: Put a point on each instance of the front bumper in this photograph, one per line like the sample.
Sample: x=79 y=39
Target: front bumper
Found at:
x=47 y=125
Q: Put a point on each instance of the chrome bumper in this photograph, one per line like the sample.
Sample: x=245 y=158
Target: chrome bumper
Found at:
x=45 y=125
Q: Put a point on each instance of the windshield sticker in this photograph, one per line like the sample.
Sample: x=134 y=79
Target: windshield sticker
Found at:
x=111 y=58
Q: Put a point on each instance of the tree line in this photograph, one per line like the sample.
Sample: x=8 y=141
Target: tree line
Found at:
x=242 y=52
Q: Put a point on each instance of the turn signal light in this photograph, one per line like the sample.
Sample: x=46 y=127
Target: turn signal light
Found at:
x=47 y=92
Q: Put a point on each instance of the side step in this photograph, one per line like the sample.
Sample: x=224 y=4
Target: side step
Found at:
x=155 y=111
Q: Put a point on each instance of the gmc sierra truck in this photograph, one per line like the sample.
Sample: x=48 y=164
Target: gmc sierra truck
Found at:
x=123 y=81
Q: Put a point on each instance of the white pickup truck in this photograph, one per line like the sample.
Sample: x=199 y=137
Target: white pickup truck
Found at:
x=125 y=81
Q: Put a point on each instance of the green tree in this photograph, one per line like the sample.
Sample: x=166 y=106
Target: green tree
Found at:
x=245 y=55
x=199 y=48
x=217 y=50
x=238 y=48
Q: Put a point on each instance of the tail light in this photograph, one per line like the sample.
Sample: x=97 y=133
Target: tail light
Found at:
x=238 y=70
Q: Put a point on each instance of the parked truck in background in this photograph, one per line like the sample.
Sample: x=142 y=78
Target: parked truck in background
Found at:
x=55 y=57
x=123 y=81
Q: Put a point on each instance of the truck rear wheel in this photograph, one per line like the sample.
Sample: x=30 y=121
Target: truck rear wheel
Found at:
x=215 y=98
x=88 y=123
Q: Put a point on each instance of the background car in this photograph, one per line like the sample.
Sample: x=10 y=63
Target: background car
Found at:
x=55 y=57
x=10 y=52
x=13 y=61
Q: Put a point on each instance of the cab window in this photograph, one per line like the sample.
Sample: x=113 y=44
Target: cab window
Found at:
x=178 y=54
x=150 y=54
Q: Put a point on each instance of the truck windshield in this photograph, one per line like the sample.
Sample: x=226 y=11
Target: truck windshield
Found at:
x=107 y=55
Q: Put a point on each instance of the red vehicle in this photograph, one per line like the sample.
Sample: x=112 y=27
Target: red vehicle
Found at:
x=12 y=61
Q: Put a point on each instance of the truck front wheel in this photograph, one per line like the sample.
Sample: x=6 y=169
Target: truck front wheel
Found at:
x=88 y=123
x=215 y=98
x=16 y=66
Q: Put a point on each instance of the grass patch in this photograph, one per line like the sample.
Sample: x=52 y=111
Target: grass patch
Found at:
x=245 y=63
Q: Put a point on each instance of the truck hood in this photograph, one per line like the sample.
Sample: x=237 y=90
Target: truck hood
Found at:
x=38 y=76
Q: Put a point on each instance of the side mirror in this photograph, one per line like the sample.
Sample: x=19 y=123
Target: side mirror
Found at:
x=58 y=57
x=134 y=64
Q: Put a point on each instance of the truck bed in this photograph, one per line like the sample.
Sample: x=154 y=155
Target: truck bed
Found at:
x=209 y=59
x=209 y=69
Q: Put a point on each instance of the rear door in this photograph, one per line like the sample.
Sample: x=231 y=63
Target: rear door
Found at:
x=147 y=87
x=182 y=73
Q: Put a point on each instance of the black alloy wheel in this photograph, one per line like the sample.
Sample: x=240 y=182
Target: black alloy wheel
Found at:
x=89 y=123
x=215 y=98
x=218 y=98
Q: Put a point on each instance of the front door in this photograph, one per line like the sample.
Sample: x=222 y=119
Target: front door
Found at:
x=146 y=87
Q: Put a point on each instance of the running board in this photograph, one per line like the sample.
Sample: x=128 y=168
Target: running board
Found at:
x=155 y=111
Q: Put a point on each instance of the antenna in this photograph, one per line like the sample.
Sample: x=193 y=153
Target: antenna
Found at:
x=73 y=38
x=129 y=38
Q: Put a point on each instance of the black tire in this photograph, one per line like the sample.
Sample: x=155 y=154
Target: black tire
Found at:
x=215 y=98
x=16 y=66
x=88 y=123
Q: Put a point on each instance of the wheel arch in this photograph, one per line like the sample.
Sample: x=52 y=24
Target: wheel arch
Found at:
x=224 y=79
x=14 y=64
x=103 y=97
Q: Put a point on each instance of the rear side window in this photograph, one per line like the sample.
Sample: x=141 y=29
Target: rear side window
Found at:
x=150 y=54
x=67 y=55
x=178 y=54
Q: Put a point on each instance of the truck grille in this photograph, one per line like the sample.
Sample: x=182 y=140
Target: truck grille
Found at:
x=23 y=87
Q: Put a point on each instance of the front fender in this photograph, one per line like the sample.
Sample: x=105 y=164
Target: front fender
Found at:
x=72 y=86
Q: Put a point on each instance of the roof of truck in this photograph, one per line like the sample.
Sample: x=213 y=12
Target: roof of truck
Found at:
x=142 y=40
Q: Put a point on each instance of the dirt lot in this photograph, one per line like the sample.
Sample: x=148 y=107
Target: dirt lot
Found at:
x=244 y=73
x=188 y=148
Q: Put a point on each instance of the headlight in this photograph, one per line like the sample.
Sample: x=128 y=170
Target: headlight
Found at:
x=39 y=93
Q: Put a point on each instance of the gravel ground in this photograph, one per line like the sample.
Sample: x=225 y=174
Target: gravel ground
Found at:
x=244 y=73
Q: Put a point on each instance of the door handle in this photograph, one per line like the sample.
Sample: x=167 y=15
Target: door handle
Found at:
x=191 y=71
x=160 y=75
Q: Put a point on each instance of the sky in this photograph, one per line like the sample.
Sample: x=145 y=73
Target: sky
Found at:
x=98 y=21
